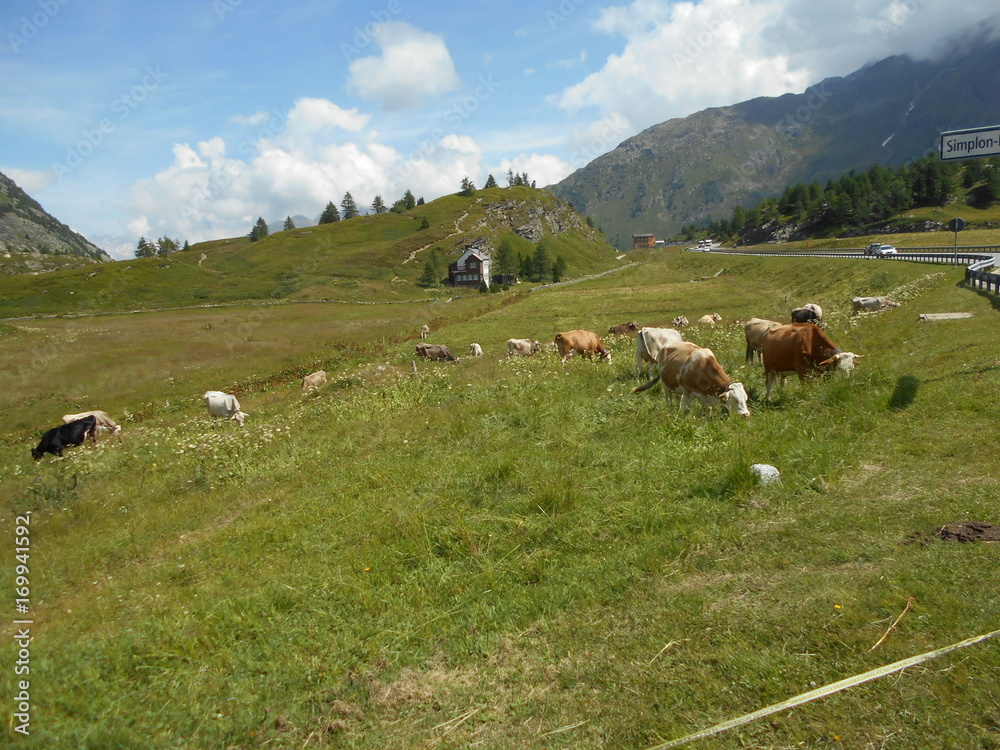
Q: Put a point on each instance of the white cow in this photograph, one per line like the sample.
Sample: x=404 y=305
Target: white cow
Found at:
x=221 y=404
x=522 y=347
x=648 y=342
x=710 y=320
x=314 y=380
x=475 y=350
x=870 y=304
x=103 y=423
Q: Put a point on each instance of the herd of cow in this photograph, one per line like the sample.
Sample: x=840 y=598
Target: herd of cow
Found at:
x=686 y=370
x=692 y=372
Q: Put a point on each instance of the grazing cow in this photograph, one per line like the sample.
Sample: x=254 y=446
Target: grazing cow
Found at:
x=648 y=343
x=221 y=404
x=475 y=350
x=810 y=313
x=103 y=423
x=680 y=321
x=804 y=349
x=425 y=331
x=586 y=342
x=690 y=370
x=623 y=328
x=870 y=304
x=64 y=436
x=436 y=352
x=710 y=320
x=522 y=347
x=314 y=380
x=754 y=329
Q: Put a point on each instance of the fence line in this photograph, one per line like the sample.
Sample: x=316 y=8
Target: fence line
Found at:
x=976 y=263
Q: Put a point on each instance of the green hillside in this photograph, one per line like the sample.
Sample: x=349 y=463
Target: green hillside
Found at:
x=505 y=553
x=362 y=259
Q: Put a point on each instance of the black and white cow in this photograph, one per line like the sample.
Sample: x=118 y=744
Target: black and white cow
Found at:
x=65 y=436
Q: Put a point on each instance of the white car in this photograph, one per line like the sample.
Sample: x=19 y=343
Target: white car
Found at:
x=879 y=250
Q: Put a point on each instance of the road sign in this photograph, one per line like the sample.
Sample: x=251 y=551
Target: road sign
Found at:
x=956 y=225
x=966 y=144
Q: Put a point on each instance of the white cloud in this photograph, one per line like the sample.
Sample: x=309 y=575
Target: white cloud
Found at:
x=681 y=57
x=258 y=118
x=316 y=155
x=542 y=169
x=415 y=65
x=29 y=180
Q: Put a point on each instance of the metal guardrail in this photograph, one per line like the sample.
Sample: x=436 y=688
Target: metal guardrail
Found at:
x=977 y=263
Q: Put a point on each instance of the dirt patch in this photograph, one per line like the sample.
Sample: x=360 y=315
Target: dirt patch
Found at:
x=960 y=531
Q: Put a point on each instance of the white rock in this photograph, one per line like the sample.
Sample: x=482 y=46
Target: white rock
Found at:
x=766 y=473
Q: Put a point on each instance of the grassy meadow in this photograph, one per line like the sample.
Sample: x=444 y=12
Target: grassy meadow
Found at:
x=506 y=553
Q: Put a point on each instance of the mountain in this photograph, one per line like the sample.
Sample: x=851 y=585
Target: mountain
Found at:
x=693 y=169
x=33 y=240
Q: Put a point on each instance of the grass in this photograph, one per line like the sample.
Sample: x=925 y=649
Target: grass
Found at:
x=497 y=552
x=364 y=259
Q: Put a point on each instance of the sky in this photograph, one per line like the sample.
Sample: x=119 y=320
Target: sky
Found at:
x=192 y=118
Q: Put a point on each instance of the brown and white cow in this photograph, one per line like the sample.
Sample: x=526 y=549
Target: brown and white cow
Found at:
x=425 y=331
x=692 y=371
x=623 y=328
x=802 y=348
x=680 y=321
x=522 y=347
x=102 y=423
x=648 y=343
x=587 y=343
x=870 y=304
x=435 y=352
x=314 y=380
x=710 y=319
x=754 y=330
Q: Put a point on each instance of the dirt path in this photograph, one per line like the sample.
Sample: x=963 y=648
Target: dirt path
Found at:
x=458 y=230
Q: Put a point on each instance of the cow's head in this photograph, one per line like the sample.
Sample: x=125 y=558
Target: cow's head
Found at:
x=604 y=354
x=536 y=346
x=36 y=454
x=841 y=362
x=239 y=416
x=735 y=399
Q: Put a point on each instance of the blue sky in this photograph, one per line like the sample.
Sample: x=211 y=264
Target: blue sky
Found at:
x=193 y=118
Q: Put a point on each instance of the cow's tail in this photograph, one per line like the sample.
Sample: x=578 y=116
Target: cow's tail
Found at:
x=647 y=386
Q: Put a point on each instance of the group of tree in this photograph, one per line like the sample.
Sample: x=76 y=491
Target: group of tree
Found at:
x=539 y=265
x=861 y=198
x=518 y=180
x=159 y=248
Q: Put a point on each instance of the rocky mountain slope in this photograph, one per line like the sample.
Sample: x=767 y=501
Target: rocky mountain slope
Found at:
x=32 y=240
x=689 y=170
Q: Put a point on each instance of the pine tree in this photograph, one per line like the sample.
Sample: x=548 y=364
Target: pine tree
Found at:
x=348 y=206
x=506 y=260
x=408 y=200
x=144 y=249
x=330 y=214
x=490 y=183
x=420 y=201
x=166 y=246
x=429 y=276
x=378 y=205
x=289 y=224
x=259 y=230
x=187 y=246
x=559 y=269
x=541 y=262
x=468 y=188
x=511 y=179
x=424 y=223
